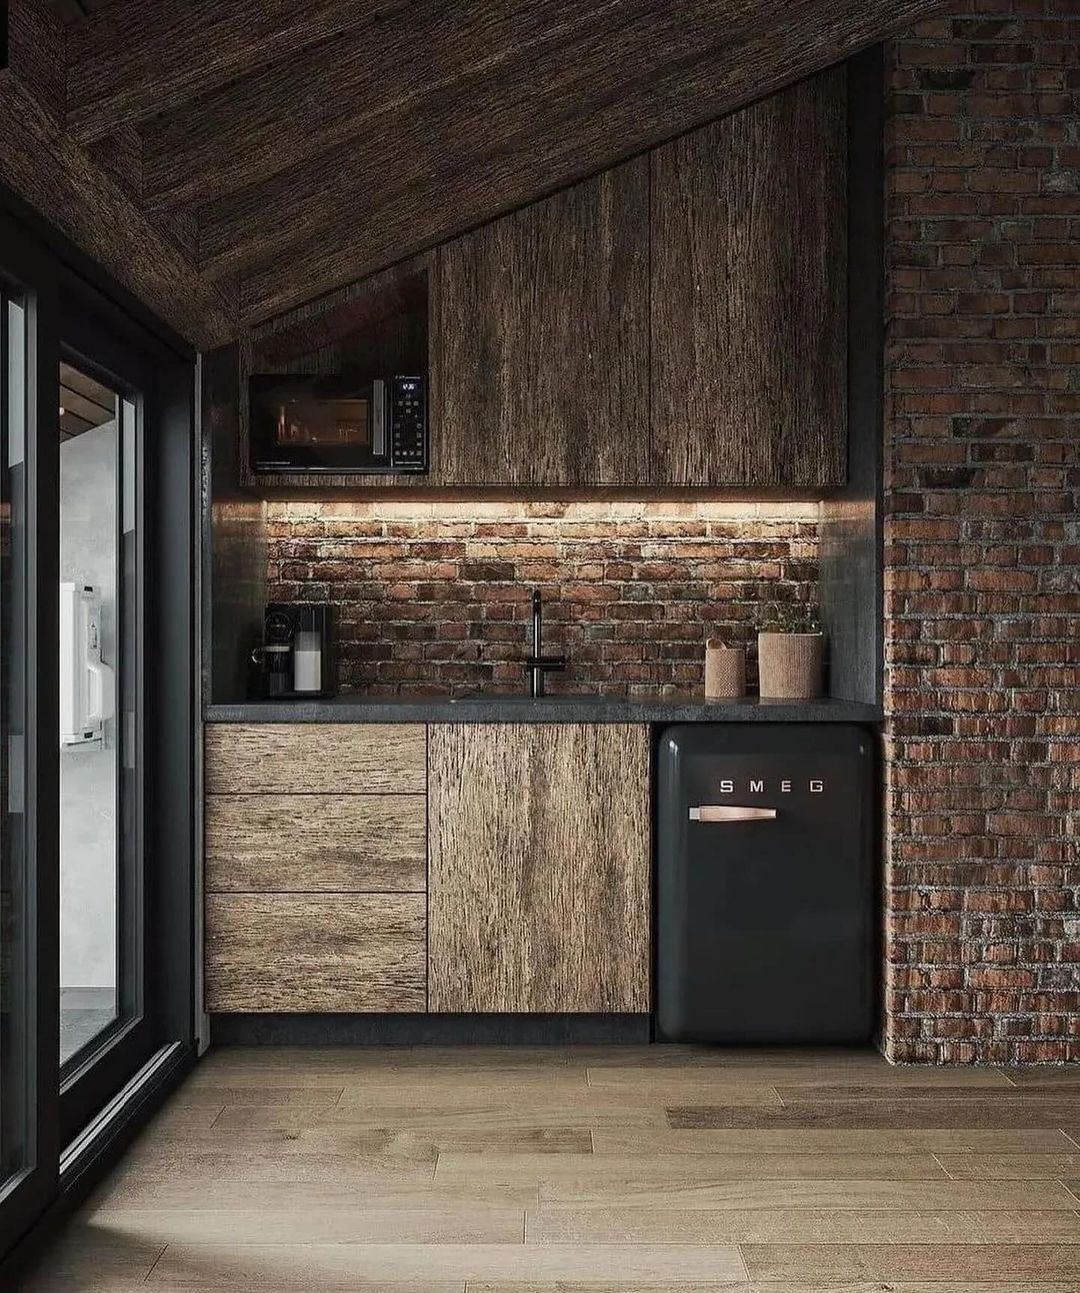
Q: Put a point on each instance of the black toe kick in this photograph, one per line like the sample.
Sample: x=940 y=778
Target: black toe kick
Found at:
x=433 y=1030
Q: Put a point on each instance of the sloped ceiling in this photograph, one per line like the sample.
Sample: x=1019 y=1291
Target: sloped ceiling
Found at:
x=284 y=149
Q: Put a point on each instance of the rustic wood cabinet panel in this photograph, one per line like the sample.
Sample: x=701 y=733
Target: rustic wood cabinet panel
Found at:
x=539 y=868
x=301 y=953
x=316 y=758
x=316 y=843
x=748 y=300
x=540 y=347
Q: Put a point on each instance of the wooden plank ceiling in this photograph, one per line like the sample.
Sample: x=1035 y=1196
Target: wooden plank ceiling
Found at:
x=282 y=149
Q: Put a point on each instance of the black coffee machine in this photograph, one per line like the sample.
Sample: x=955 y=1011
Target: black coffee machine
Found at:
x=296 y=658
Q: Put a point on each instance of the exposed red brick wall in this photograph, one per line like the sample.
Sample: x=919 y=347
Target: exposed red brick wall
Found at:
x=982 y=535
x=435 y=596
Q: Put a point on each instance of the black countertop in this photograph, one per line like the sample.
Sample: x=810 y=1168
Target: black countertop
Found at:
x=549 y=709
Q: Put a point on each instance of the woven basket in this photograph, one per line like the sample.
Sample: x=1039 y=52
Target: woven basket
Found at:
x=725 y=671
x=791 y=666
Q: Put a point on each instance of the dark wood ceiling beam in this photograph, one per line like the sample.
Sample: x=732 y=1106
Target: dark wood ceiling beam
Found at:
x=136 y=58
x=347 y=87
x=477 y=147
x=55 y=176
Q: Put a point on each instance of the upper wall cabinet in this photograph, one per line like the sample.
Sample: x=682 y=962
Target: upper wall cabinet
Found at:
x=540 y=342
x=749 y=295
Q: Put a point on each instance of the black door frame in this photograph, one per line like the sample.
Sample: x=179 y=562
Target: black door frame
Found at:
x=27 y=268
x=76 y=307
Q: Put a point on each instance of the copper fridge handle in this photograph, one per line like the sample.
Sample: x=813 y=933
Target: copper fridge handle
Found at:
x=730 y=813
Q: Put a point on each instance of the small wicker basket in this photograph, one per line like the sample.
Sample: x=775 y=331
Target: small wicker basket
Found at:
x=725 y=671
x=791 y=666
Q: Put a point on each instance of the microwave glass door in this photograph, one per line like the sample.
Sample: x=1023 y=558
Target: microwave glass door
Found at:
x=308 y=424
x=307 y=421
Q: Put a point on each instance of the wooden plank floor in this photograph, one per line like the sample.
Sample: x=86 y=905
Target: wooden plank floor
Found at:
x=479 y=1170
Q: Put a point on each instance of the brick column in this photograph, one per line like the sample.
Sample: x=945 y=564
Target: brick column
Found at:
x=982 y=556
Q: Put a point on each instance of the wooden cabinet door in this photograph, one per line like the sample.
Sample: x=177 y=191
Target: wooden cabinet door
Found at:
x=540 y=342
x=539 y=892
x=749 y=295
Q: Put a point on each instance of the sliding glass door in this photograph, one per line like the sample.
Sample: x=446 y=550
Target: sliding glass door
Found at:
x=96 y=800
x=106 y=1026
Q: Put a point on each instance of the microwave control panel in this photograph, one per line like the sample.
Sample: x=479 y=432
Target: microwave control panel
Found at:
x=408 y=424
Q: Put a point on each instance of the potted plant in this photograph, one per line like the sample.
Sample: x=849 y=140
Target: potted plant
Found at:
x=791 y=654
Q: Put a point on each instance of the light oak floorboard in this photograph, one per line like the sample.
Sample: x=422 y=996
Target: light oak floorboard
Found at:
x=669 y=1080
x=623 y=1171
x=1033 y=1262
x=784 y=1286
x=134 y=1193
x=341 y=1265
x=802 y=1092
x=966 y=1196
x=897 y=1113
x=218 y=1097
x=1010 y=1167
x=460 y=1115
x=366 y=1222
x=221 y=1165
x=379 y=1144
x=1043 y=1075
x=555 y=1224
x=814 y=1140
x=433 y=1088
x=88 y=1252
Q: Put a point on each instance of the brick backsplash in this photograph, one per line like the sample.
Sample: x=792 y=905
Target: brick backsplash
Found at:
x=982 y=536
x=435 y=596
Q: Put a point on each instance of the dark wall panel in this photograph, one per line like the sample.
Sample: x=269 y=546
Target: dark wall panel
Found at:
x=748 y=294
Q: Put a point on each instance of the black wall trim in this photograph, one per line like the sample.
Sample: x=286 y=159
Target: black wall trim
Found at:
x=850 y=587
x=419 y=1030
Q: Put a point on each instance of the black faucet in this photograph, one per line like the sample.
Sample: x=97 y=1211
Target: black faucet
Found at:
x=538 y=664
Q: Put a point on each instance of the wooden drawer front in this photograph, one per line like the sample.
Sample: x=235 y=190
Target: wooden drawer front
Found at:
x=302 y=953
x=316 y=758
x=316 y=843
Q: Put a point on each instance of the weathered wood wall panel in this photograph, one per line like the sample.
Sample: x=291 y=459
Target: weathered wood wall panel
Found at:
x=316 y=843
x=521 y=119
x=301 y=953
x=316 y=758
x=539 y=868
x=539 y=363
x=749 y=295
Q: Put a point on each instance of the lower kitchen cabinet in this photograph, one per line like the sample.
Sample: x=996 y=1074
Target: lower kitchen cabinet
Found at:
x=539 y=890
x=316 y=868
x=316 y=952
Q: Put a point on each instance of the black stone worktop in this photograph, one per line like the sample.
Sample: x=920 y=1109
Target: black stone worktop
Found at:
x=549 y=709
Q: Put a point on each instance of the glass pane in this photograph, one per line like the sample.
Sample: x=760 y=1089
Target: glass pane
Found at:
x=16 y=1038
x=92 y=578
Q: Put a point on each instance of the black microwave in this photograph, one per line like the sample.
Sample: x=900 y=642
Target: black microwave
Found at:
x=328 y=424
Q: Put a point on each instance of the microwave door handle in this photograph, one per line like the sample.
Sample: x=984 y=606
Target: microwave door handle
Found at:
x=378 y=419
x=730 y=813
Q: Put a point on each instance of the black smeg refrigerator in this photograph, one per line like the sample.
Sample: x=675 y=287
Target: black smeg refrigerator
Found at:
x=765 y=883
